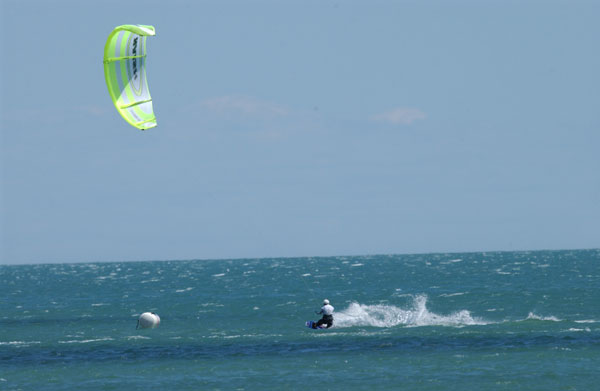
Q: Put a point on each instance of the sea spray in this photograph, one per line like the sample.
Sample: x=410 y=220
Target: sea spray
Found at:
x=382 y=315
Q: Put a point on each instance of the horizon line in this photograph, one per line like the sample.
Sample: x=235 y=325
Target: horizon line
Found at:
x=297 y=257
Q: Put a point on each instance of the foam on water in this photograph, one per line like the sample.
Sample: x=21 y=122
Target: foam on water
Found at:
x=452 y=294
x=129 y=337
x=88 y=340
x=19 y=343
x=533 y=316
x=380 y=315
x=587 y=329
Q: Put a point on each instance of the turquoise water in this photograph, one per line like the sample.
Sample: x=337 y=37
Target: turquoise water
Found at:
x=501 y=321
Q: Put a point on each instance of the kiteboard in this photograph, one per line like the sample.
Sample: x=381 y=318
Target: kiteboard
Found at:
x=310 y=324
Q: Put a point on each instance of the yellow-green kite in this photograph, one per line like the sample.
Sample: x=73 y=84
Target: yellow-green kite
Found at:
x=125 y=74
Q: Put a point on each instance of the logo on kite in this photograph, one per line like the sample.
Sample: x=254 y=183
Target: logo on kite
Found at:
x=125 y=74
x=135 y=40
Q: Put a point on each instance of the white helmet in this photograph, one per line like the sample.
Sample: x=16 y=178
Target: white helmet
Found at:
x=325 y=302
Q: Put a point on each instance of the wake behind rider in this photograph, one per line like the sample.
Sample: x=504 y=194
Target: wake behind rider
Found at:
x=327 y=311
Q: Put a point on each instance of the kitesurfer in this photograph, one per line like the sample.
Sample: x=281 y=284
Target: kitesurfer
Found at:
x=327 y=311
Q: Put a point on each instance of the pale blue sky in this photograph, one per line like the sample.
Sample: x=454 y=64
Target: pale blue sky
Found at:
x=302 y=128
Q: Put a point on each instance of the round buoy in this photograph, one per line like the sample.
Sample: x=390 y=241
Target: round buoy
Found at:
x=148 y=320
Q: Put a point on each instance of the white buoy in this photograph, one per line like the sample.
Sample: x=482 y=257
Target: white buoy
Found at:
x=148 y=320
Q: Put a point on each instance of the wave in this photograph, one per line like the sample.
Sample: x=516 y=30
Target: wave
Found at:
x=533 y=316
x=20 y=343
x=381 y=315
x=87 y=340
x=572 y=329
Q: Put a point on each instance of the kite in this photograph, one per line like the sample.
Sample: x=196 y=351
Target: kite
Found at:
x=125 y=74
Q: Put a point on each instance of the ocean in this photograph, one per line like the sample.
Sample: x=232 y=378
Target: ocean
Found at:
x=468 y=321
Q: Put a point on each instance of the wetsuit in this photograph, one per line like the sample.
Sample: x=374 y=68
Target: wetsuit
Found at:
x=327 y=311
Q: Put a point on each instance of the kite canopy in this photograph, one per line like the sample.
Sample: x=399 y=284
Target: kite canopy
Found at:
x=125 y=74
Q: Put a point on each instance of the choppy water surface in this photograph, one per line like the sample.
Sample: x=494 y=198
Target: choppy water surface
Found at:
x=528 y=320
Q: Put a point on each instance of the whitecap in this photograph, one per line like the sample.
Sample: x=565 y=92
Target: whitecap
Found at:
x=284 y=304
x=87 y=340
x=155 y=279
x=451 y=261
x=218 y=275
x=137 y=337
x=532 y=316
x=452 y=294
x=20 y=343
x=184 y=290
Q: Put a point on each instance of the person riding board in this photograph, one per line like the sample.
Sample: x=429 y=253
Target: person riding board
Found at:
x=327 y=311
